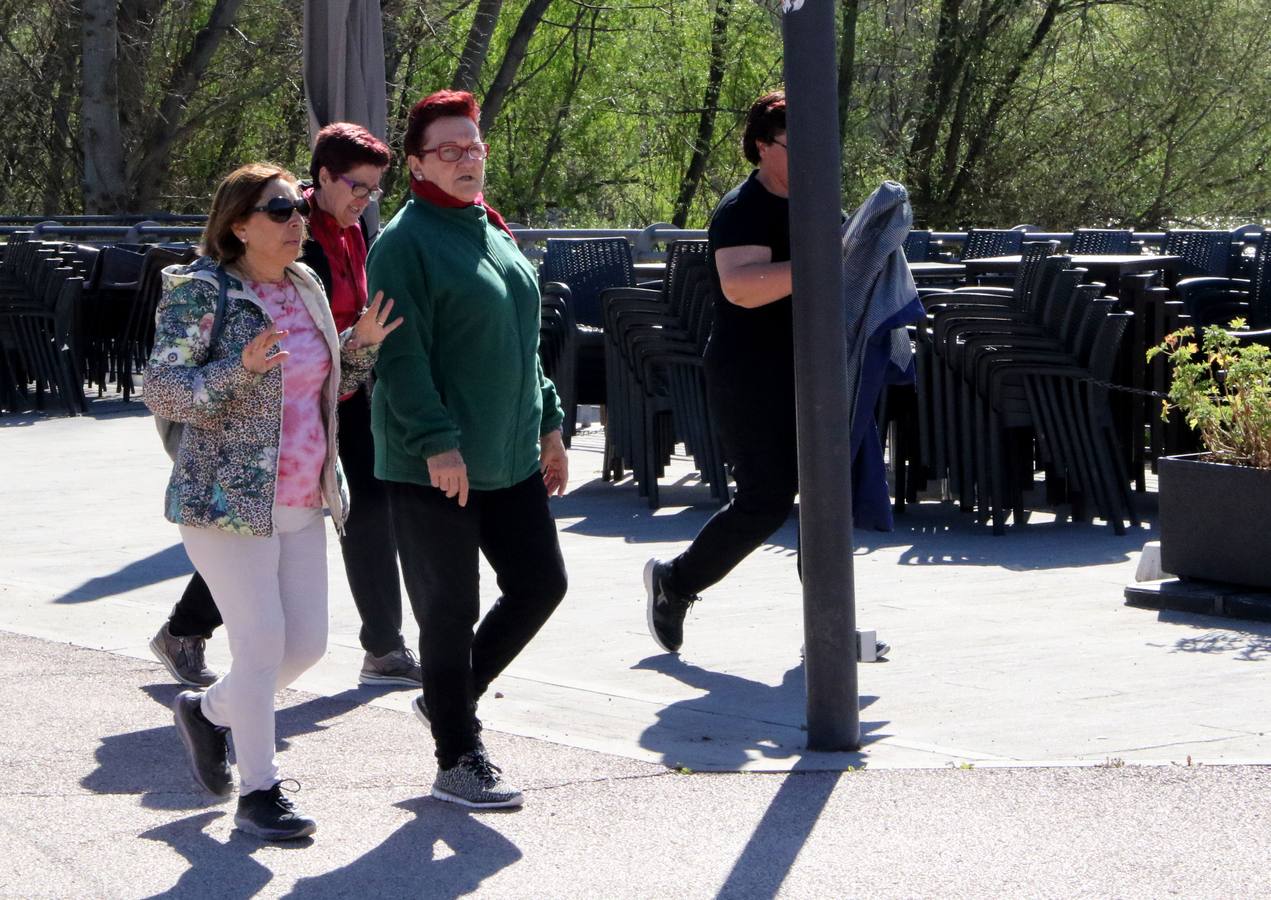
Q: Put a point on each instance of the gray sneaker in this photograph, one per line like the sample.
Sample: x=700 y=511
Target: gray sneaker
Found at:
x=182 y=657
x=395 y=667
x=475 y=782
x=205 y=744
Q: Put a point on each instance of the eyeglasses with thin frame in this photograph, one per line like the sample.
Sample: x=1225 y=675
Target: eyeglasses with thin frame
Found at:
x=280 y=209
x=781 y=144
x=453 y=152
x=361 y=191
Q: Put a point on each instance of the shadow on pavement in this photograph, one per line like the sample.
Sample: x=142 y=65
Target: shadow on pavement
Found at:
x=776 y=841
x=1245 y=640
x=444 y=852
x=938 y=534
x=606 y=510
x=215 y=870
x=151 y=762
x=772 y=717
x=170 y=562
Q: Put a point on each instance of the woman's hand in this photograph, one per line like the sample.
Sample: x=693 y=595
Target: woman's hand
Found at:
x=255 y=355
x=449 y=473
x=373 y=325
x=554 y=463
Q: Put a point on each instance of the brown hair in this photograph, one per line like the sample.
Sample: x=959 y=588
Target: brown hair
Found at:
x=767 y=117
x=233 y=202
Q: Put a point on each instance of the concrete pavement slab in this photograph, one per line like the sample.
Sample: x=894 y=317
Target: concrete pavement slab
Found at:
x=96 y=801
x=1007 y=651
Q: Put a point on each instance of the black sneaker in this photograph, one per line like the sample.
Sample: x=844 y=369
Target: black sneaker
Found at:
x=205 y=744
x=666 y=609
x=421 y=713
x=269 y=815
x=475 y=782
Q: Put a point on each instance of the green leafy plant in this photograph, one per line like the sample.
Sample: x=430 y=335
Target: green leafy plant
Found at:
x=1223 y=389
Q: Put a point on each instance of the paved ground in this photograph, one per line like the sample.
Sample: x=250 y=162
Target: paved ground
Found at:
x=1008 y=741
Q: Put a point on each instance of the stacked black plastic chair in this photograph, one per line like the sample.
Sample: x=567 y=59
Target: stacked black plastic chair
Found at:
x=981 y=243
x=139 y=331
x=918 y=246
x=109 y=291
x=1216 y=301
x=576 y=272
x=38 y=315
x=1091 y=241
x=655 y=342
x=937 y=432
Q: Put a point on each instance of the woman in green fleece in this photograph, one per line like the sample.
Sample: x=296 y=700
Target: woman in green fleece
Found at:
x=467 y=436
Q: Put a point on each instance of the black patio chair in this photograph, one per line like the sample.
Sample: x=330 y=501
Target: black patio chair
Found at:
x=1093 y=241
x=918 y=246
x=579 y=270
x=1216 y=301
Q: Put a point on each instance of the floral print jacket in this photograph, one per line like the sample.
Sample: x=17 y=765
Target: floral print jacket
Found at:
x=225 y=471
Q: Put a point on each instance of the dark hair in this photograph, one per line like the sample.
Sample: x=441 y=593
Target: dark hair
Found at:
x=766 y=118
x=233 y=202
x=342 y=146
x=436 y=106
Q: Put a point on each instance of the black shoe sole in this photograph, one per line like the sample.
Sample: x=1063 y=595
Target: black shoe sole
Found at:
x=448 y=797
x=275 y=834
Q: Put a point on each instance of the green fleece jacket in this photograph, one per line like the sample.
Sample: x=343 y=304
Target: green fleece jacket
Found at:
x=463 y=370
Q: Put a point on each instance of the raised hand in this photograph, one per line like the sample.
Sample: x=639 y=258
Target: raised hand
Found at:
x=373 y=325
x=256 y=357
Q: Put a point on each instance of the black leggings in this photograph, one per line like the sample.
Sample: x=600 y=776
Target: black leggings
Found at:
x=440 y=542
x=756 y=426
x=368 y=548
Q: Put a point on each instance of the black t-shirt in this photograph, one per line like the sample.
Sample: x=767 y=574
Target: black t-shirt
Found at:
x=751 y=344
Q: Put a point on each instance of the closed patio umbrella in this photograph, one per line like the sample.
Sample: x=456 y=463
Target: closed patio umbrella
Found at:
x=344 y=69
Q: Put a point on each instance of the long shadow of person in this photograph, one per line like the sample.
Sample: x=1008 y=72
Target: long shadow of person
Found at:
x=737 y=719
x=443 y=852
x=224 y=870
x=151 y=762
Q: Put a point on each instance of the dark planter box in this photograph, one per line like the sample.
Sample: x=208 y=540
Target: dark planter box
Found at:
x=1215 y=521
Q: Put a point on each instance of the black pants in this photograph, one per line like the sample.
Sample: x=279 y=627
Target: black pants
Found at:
x=440 y=542
x=756 y=425
x=368 y=547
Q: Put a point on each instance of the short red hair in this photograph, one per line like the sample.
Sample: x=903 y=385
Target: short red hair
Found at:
x=436 y=106
x=343 y=145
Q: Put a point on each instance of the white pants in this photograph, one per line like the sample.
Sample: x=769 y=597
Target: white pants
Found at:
x=272 y=595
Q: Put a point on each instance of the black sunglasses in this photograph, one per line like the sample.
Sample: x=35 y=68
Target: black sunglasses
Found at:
x=280 y=208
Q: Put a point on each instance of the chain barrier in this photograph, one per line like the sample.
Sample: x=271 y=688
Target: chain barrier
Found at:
x=1139 y=392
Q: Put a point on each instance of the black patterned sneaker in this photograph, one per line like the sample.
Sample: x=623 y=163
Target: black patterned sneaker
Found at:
x=205 y=745
x=665 y=609
x=182 y=657
x=395 y=667
x=475 y=782
x=269 y=815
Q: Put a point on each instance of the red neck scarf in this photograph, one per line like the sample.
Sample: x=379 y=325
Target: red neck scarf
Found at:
x=345 y=250
x=426 y=190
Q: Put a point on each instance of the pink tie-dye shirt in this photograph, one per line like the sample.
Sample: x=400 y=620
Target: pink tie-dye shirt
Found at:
x=303 y=449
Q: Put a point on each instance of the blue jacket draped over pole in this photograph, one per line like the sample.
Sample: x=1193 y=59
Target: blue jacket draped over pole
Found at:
x=880 y=298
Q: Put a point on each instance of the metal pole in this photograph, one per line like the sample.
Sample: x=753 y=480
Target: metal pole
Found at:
x=820 y=353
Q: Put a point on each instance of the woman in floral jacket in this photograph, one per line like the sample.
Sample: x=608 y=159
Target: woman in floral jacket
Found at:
x=255 y=466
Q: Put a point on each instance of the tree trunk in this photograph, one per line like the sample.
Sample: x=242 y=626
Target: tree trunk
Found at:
x=847 y=61
x=706 y=121
x=101 y=136
x=149 y=175
x=472 y=59
x=512 y=59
